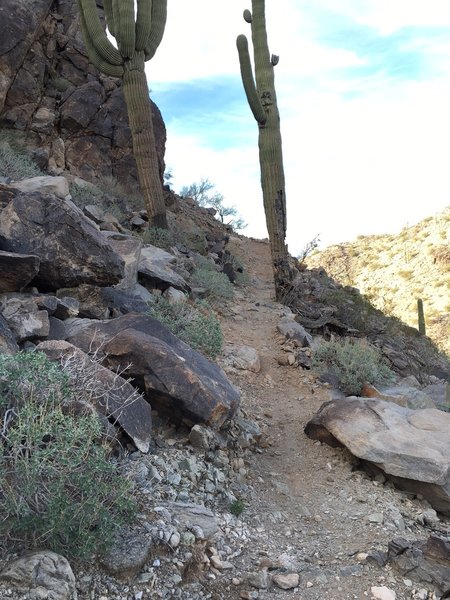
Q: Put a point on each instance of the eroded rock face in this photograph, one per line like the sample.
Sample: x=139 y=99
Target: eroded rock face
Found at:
x=412 y=447
x=71 y=114
x=174 y=377
x=70 y=249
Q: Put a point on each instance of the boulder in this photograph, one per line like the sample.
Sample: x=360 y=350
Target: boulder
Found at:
x=69 y=247
x=175 y=378
x=426 y=561
x=411 y=447
x=8 y=344
x=155 y=269
x=42 y=575
x=189 y=516
x=294 y=331
x=44 y=184
x=105 y=302
x=16 y=271
x=24 y=318
x=128 y=553
x=129 y=248
x=245 y=358
x=112 y=395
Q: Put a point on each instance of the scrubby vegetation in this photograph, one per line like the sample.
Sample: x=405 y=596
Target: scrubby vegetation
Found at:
x=14 y=161
x=350 y=363
x=194 y=323
x=59 y=488
x=216 y=283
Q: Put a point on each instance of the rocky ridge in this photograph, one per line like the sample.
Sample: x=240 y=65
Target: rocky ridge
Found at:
x=394 y=271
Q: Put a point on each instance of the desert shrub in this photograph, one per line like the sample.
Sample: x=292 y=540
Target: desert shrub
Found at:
x=196 y=324
x=15 y=163
x=237 y=507
x=58 y=486
x=162 y=238
x=350 y=363
x=205 y=275
x=83 y=195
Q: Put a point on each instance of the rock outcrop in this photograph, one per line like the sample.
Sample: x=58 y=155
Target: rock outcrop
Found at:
x=72 y=117
x=412 y=447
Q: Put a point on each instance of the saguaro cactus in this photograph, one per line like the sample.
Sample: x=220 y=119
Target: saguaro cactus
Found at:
x=421 y=317
x=262 y=99
x=137 y=40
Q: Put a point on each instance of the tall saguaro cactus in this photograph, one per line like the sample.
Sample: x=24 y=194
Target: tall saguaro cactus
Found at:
x=137 y=40
x=262 y=99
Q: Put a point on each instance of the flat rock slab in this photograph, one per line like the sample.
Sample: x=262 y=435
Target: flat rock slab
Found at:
x=42 y=575
x=155 y=268
x=71 y=250
x=8 y=344
x=175 y=378
x=412 y=447
x=16 y=271
x=194 y=515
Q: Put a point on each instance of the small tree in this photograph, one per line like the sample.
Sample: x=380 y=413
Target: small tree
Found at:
x=199 y=193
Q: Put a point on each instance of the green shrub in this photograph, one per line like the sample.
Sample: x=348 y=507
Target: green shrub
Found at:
x=350 y=363
x=196 y=324
x=237 y=508
x=15 y=163
x=58 y=488
x=206 y=276
x=83 y=195
x=162 y=238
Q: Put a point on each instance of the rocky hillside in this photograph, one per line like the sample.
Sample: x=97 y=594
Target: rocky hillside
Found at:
x=394 y=271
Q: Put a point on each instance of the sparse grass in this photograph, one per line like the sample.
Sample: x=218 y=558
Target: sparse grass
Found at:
x=196 y=324
x=58 y=487
x=162 y=238
x=14 y=161
x=206 y=276
x=350 y=363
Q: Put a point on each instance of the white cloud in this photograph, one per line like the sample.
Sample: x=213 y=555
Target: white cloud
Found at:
x=390 y=15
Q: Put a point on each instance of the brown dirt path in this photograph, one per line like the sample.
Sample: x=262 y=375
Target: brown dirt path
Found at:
x=304 y=501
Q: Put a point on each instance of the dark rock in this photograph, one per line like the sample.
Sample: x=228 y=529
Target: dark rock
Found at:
x=105 y=302
x=155 y=269
x=412 y=447
x=128 y=553
x=67 y=308
x=423 y=561
x=24 y=318
x=294 y=331
x=70 y=249
x=57 y=330
x=175 y=379
x=16 y=271
x=8 y=344
x=112 y=395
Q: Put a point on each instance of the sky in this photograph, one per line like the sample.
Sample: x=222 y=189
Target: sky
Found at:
x=363 y=90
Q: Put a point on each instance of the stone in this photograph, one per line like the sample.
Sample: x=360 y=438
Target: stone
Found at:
x=260 y=580
x=129 y=248
x=17 y=270
x=155 y=269
x=174 y=296
x=382 y=593
x=8 y=344
x=44 y=184
x=190 y=516
x=402 y=395
x=425 y=561
x=200 y=437
x=112 y=395
x=42 y=575
x=24 y=318
x=66 y=308
x=39 y=224
x=411 y=447
x=103 y=302
x=246 y=359
x=294 y=331
x=176 y=379
x=286 y=581
x=129 y=552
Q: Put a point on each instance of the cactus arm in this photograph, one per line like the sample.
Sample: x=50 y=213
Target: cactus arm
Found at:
x=109 y=16
x=125 y=32
x=247 y=16
x=159 y=17
x=97 y=34
x=96 y=59
x=143 y=23
x=248 y=80
x=421 y=317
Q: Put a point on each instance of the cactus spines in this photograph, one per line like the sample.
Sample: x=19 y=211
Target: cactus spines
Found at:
x=137 y=41
x=421 y=317
x=262 y=99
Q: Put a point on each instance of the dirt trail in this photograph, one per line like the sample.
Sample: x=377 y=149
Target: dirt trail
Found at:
x=305 y=502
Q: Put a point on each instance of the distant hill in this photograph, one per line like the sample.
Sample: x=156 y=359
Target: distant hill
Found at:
x=393 y=271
